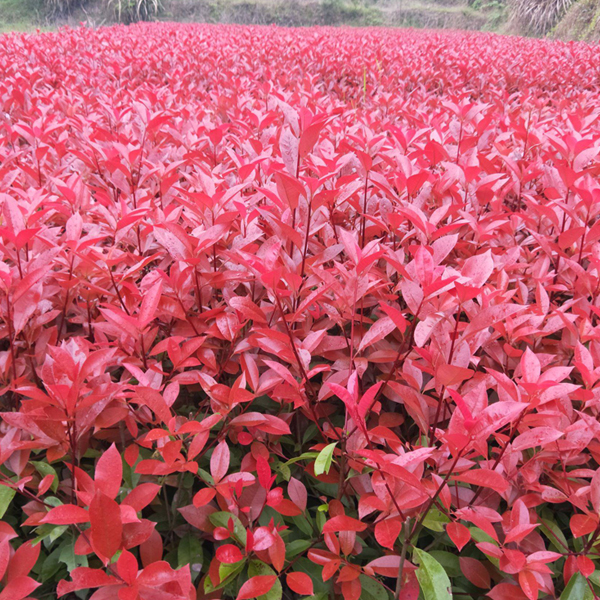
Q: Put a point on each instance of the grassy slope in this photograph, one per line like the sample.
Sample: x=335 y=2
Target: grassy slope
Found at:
x=20 y=15
x=485 y=14
x=582 y=22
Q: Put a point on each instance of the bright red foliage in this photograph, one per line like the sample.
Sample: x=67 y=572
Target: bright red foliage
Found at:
x=298 y=311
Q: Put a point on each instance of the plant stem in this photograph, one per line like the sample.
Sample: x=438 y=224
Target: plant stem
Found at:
x=405 y=543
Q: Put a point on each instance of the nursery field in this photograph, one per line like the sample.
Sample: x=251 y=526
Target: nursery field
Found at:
x=298 y=313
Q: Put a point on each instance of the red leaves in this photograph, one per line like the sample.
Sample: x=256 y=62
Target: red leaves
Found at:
x=475 y=572
x=459 y=534
x=538 y=436
x=23 y=560
x=18 y=588
x=300 y=583
x=267 y=423
x=343 y=523
x=298 y=494
x=583 y=524
x=141 y=496
x=149 y=305
x=84 y=578
x=256 y=586
x=382 y=272
x=387 y=532
x=484 y=478
x=66 y=514
x=229 y=554
x=203 y=497
x=109 y=472
x=219 y=461
x=105 y=538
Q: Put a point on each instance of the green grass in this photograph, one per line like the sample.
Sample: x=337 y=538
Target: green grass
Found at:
x=27 y=15
x=20 y=15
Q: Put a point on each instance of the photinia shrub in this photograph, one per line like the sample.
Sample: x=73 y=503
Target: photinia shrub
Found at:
x=295 y=313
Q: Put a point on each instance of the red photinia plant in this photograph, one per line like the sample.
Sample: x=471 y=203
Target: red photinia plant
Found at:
x=298 y=313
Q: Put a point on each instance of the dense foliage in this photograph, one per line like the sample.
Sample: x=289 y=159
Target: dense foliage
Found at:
x=298 y=312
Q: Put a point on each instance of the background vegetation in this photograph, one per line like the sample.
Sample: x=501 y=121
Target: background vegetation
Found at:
x=569 y=19
x=456 y=14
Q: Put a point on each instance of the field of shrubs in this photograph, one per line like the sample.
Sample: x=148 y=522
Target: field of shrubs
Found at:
x=298 y=313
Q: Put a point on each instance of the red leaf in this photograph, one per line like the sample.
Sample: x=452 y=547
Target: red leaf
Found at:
x=106 y=527
x=219 y=461
x=459 y=534
x=203 y=497
x=23 y=560
x=506 y=591
x=351 y=590
x=85 y=578
x=538 y=436
x=109 y=472
x=300 y=583
x=150 y=304
x=530 y=366
x=379 y=330
x=127 y=567
x=529 y=584
x=387 y=532
x=152 y=549
x=484 y=478
x=67 y=514
x=18 y=588
x=277 y=553
x=583 y=524
x=452 y=375
x=343 y=523
x=256 y=586
x=298 y=494
x=387 y=566
x=141 y=496
x=475 y=572
x=586 y=566
x=229 y=554
x=28 y=282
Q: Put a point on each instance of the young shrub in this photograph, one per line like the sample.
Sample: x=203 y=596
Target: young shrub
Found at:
x=298 y=313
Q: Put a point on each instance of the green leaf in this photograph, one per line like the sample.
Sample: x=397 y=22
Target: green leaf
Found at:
x=221 y=519
x=45 y=469
x=53 y=501
x=432 y=577
x=303 y=524
x=227 y=573
x=206 y=476
x=68 y=557
x=449 y=561
x=228 y=570
x=321 y=520
x=303 y=456
x=553 y=532
x=577 y=589
x=436 y=520
x=324 y=460
x=57 y=532
x=481 y=536
x=296 y=547
x=189 y=552
x=6 y=496
x=372 y=590
x=257 y=567
x=52 y=565
x=283 y=470
x=310 y=433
